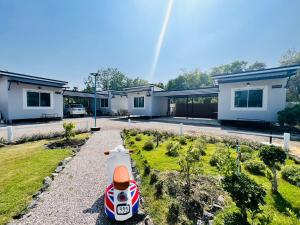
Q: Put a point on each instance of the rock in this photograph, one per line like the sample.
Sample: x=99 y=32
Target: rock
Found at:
x=221 y=200
x=65 y=161
x=148 y=221
x=207 y=216
x=210 y=222
x=200 y=222
x=216 y=208
x=53 y=175
x=36 y=194
x=2 y=145
x=46 y=183
x=32 y=205
x=59 y=169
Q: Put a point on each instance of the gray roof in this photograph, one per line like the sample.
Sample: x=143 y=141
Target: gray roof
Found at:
x=264 y=74
x=23 y=78
x=204 y=91
x=83 y=94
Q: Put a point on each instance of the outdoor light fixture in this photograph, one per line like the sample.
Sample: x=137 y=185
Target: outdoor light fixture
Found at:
x=95 y=128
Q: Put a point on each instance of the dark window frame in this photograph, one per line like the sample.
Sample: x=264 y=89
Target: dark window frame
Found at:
x=139 y=102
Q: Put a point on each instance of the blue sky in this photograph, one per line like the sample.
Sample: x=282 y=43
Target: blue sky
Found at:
x=69 y=39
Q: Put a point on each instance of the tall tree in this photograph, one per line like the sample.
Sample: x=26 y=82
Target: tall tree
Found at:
x=292 y=57
x=190 y=80
x=112 y=79
x=237 y=67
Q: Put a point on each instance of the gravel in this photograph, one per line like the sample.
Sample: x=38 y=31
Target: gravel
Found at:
x=76 y=194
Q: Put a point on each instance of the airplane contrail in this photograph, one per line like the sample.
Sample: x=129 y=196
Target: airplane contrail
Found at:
x=161 y=39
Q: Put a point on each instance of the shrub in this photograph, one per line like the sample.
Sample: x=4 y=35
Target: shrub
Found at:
x=148 y=145
x=246 y=149
x=147 y=169
x=182 y=140
x=235 y=218
x=173 y=213
x=153 y=178
x=246 y=156
x=138 y=138
x=69 y=130
x=218 y=154
x=133 y=133
x=255 y=167
x=201 y=145
x=272 y=156
x=159 y=186
x=291 y=174
x=290 y=116
x=247 y=194
x=173 y=149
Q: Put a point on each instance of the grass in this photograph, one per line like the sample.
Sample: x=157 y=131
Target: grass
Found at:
x=22 y=170
x=276 y=205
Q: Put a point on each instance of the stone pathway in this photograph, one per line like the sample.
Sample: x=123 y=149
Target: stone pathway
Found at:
x=76 y=194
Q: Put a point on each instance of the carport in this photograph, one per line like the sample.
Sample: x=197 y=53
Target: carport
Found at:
x=189 y=106
x=84 y=98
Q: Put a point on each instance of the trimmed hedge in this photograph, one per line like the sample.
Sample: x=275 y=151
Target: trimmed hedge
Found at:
x=291 y=174
x=255 y=167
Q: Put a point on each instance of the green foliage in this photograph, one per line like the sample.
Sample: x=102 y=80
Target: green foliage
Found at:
x=246 y=193
x=112 y=79
x=133 y=132
x=159 y=186
x=188 y=164
x=182 y=140
x=246 y=156
x=271 y=154
x=173 y=149
x=292 y=57
x=290 y=115
x=69 y=130
x=153 y=178
x=236 y=67
x=246 y=149
x=226 y=165
x=235 y=218
x=148 y=145
x=147 y=169
x=201 y=145
x=138 y=138
x=291 y=174
x=173 y=213
x=189 y=80
x=255 y=167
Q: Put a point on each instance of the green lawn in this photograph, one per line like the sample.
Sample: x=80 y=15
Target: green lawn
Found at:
x=22 y=170
x=276 y=206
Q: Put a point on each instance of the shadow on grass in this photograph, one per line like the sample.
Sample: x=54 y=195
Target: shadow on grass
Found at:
x=282 y=205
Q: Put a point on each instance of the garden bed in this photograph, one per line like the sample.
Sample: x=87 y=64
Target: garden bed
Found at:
x=159 y=159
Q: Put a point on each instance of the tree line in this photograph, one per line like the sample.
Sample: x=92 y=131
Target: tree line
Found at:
x=113 y=79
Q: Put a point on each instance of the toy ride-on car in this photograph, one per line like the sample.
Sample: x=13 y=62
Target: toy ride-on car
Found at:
x=121 y=195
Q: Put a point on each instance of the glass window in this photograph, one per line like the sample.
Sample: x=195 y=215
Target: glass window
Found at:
x=240 y=99
x=33 y=99
x=104 y=103
x=138 y=102
x=38 y=99
x=45 y=100
x=248 y=98
x=255 y=98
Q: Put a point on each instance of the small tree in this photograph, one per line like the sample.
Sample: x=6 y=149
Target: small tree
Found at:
x=272 y=156
x=246 y=193
x=189 y=164
x=69 y=130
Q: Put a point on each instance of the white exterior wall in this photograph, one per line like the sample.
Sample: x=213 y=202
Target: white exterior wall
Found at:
x=17 y=102
x=118 y=103
x=147 y=110
x=3 y=97
x=274 y=101
x=160 y=106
